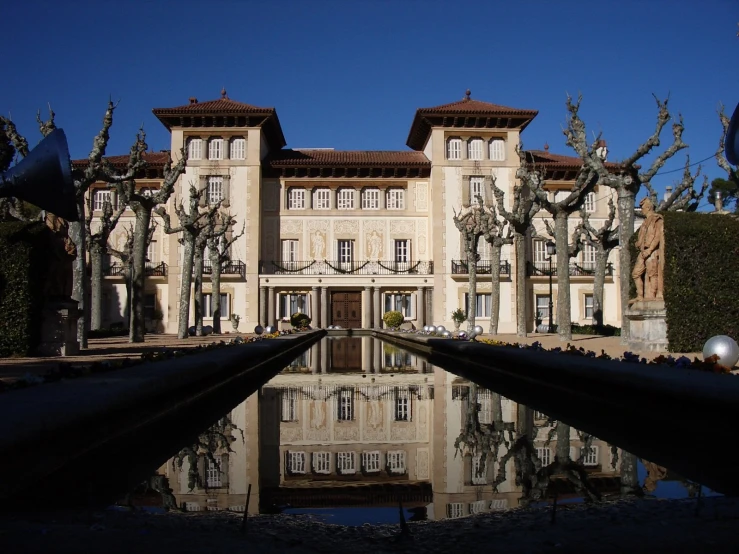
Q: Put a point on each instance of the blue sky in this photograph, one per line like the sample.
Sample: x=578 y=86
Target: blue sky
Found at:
x=350 y=75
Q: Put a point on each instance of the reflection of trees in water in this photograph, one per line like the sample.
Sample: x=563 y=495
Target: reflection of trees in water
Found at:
x=209 y=445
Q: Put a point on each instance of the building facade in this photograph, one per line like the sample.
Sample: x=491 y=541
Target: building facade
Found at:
x=345 y=236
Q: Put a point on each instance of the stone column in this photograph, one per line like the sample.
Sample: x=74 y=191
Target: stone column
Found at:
x=420 y=305
x=324 y=307
x=377 y=357
x=367 y=353
x=376 y=310
x=314 y=305
x=226 y=145
x=262 y=306
x=315 y=356
x=271 y=306
x=367 y=308
x=324 y=356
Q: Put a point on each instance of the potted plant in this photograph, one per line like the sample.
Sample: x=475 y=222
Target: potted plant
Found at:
x=458 y=317
x=300 y=321
x=393 y=319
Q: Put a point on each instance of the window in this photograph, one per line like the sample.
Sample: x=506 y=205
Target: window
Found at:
x=345 y=250
x=195 y=149
x=545 y=455
x=474 y=149
x=401 y=302
x=215 y=190
x=291 y=303
x=289 y=405
x=542 y=307
x=588 y=257
x=454 y=149
x=497 y=150
x=296 y=198
x=396 y=462
x=346 y=405
x=345 y=199
x=590 y=202
x=485 y=415
x=454 y=510
x=403 y=251
x=589 y=456
x=208 y=305
x=477 y=188
x=402 y=406
x=588 y=301
x=213 y=473
x=561 y=195
x=478 y=507
x=395 y=199
x=371 y=199
x=238 y=149
x=215 y=149
x=478 y=470
x=322 y=199
x=541 y=260
x=371 y=461
x=482 y=304
x=322 y=462
x=146 y=191
x=346 y=463
x=296 y=462
x=152 y=253
x=99 y=199
x=289 y=251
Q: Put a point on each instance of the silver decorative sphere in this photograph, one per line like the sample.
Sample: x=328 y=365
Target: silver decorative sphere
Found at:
x=462 y=335
x=269 y=329
x=425 y=328
x=440 y=329
x=472 y=334
x=337 y=326
x=724 y=347
x=446 y=334
x=258 y=330
x=478 y=329
x=432 y=328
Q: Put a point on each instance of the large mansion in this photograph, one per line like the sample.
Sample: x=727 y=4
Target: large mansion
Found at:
x=345 y=236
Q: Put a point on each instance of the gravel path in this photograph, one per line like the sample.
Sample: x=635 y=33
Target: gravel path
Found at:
x=620 y=526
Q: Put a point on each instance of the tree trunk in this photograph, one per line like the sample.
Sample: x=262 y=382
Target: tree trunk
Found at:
x=519 y=246
x=215 y=280
x=472 y=294
x=495 y=290
x=497 y=403
x=625 y=230
x=198 y=292
x=96 y=287
x=186 y=284
x=128 y=276
x=563 y=442
x=601 y=263
x=629 y=477
x=564 y=307
x=79 y=272
x=137 y=328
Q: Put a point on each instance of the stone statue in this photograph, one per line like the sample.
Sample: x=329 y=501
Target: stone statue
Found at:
x=374 y=244
x=319 y=244
x=650 y=262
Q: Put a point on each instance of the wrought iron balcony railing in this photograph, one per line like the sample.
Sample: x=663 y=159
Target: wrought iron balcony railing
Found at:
x=484 y=267
x=355 y=267
x=117 y=269
x=541 y=269
x=230 y=267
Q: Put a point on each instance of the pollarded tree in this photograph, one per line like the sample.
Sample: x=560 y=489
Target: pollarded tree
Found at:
x=143 y=204
x=219 y=254
x=469 y=224
x=497 y=233
x=519 y=217
x=626 y=180
x=193 y=222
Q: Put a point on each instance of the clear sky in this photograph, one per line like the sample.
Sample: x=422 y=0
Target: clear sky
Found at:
x=350 y=74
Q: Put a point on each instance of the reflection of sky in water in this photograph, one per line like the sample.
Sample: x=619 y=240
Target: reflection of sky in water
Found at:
x=352 y=516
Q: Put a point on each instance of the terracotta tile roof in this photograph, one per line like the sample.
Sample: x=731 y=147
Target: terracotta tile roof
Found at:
x=470 y=106
x=153 y=159
x=344 y=158
x=220 y=106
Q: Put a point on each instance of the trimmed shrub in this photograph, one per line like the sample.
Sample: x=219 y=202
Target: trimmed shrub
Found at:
x=299 y=320
x=701 y=278
x=23 y=267
x=393 y=319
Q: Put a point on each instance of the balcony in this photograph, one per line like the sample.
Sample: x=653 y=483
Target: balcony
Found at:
x=541 y=269
x=483 y=267
x=228 y=269
x=117 y=269
x=356 y=267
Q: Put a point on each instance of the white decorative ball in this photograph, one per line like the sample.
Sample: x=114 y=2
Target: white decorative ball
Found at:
x=432 y=328
x=425 y=328
x=478 y=329
x=446 y=334
x=440 y=329
x=462 y=335
x=724 y=347
x=269 y=329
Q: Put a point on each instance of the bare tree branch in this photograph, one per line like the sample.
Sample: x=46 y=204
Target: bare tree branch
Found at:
x=46 y=127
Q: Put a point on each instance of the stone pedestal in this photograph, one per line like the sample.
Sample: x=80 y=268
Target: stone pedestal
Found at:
x=648 y=326
x=59 y=329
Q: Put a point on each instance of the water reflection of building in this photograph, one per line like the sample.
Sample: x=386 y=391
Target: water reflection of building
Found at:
x=329 y=431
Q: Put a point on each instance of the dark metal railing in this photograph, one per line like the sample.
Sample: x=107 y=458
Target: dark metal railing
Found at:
x=117 y=269
x=541 y=269
x=356 y=267
x=484 y=267
x=230 y=267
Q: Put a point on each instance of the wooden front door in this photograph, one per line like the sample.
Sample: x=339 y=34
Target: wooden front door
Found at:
x=346 y=309
x=346 y=354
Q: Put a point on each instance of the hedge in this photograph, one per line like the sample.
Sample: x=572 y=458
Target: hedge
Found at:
x=23 y=268
x=701 y=278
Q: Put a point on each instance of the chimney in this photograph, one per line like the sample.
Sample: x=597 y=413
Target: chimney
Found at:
x=668 y=193
x=193 y=100
x=718 y=201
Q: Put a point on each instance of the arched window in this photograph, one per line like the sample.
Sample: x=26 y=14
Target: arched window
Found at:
x=497 y=149
x=474 y=149
x=195 y=148
x=454 y=149
x=238 y=149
